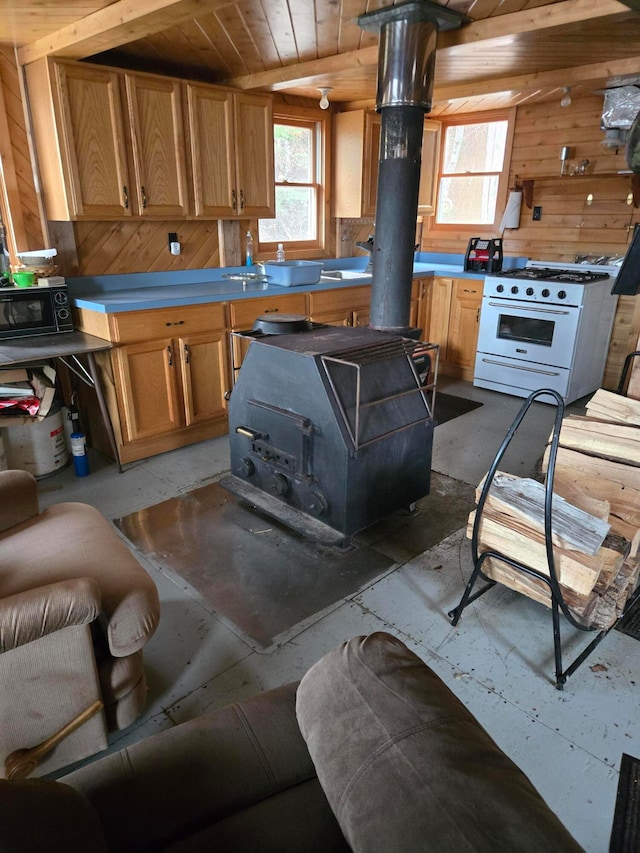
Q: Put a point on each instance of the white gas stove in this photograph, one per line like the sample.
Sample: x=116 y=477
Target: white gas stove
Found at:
x=546 y=325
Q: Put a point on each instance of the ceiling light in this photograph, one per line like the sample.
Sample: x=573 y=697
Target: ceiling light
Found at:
x=324 y=100
x=566 y=98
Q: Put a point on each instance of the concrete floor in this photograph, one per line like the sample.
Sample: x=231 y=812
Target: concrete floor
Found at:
x=499 y=660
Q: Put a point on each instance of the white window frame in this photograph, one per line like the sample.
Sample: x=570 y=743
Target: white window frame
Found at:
x=462 y=228
x=319 y=122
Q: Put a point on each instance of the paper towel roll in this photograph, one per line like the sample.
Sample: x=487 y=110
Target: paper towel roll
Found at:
x=511 y=215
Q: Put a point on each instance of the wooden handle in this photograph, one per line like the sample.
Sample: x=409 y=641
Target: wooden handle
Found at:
x=22 y=762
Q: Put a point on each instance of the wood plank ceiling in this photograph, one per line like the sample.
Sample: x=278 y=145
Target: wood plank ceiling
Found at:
x=511 y=51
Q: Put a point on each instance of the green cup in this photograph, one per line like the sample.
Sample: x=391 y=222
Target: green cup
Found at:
x=22 y=278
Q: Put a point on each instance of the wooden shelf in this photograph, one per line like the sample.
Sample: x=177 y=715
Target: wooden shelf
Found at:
x=527 y=184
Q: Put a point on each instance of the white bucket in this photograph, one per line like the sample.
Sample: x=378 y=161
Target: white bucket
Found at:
x=39 y=447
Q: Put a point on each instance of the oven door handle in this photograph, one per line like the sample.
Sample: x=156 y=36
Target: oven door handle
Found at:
x=520 y=367
x=531 y=308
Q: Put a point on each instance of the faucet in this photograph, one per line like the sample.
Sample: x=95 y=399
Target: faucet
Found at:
x=367 y=247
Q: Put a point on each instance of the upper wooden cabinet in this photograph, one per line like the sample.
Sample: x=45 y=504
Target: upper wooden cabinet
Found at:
x=429 y=170
x=112 y=144
x=357 y=159
x=231 y=152
x=77 y=118
x=154 y=107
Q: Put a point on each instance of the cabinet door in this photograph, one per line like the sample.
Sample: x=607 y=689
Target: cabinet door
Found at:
x=157 y=141
x=429 y=168
x=93 y=144
x=203 y=365
x=434 y=311
x=148 y=389
x=373 y=125
x=211 y=151
x=463 y=324
x=254 y=155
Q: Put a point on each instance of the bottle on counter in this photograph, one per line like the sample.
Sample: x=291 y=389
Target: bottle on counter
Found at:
x=280 y=253
x=249 y=249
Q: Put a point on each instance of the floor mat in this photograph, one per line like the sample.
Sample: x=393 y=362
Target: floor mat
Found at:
x=625 y=835
x=265 y=581
x=449 y=407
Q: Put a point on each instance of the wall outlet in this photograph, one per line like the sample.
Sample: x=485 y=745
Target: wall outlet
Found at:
x=537 y=213
x=174 y=245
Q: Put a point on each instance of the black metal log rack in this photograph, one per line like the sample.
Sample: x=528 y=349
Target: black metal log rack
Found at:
x=558 y=603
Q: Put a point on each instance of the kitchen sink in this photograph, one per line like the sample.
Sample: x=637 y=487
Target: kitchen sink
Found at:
x=345 y=274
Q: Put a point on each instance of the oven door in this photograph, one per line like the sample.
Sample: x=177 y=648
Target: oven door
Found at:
x=26 y=312
x=529 y=331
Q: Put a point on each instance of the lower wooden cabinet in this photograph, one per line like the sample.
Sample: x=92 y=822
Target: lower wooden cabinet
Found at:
x=166 y=378
x=341 y=307
x=449 y=313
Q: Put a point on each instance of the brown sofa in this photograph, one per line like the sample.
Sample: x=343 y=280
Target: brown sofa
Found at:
x=76 y=609
x=371 y=752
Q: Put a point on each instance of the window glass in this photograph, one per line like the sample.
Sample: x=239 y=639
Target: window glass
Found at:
x=298 y=223
x=473 y=157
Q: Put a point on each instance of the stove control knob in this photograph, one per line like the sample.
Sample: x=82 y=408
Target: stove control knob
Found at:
x=514 y=289
x=279 y=485
x=500 y=288
x=316 y=503
x=246 y=468
x=545 y=292
x=562 y=294
x=530 y=291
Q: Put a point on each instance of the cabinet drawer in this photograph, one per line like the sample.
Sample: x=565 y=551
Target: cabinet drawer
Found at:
x=244 y=313
x=339 y=300
x=166 y=322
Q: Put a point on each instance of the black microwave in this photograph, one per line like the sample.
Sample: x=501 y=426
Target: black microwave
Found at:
x=27 y=311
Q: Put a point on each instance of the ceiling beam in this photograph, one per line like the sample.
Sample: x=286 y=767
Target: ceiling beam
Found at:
x=531 y=20
x=115 y=25
x=500 y=26
x=525 y=82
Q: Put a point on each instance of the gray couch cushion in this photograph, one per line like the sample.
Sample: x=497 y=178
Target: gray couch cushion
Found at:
x=406 y=767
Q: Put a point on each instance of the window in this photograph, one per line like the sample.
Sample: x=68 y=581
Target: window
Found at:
x=472 y=175
x=299 y=174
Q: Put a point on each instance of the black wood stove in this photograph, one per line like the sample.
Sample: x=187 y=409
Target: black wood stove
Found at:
x=330 y=428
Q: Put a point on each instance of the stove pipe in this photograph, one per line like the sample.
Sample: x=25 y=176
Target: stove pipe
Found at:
x=406 y=64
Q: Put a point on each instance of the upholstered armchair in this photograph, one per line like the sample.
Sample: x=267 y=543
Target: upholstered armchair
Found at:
x=76 y=609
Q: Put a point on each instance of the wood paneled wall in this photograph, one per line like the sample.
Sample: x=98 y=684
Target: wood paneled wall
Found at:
x=18 y=177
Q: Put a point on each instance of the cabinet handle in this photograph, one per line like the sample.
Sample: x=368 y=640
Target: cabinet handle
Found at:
x=175 y=323
x=126 y=198
x=233 y=200
x=144 y=198
x=170 y=355
x=271 y=310
x=478 y=316
x=187 y=354
x=241 y=200
x=468 y=290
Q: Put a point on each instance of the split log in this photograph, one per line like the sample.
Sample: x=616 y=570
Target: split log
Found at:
x=606 y=405
x=570 y=490
x=614 y=441
x=600 y=609
x=524 y=499
x=578 y=572
x=624 y=500
x=616 y=472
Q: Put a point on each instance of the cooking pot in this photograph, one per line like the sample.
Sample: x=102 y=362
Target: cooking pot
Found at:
x=281 y=324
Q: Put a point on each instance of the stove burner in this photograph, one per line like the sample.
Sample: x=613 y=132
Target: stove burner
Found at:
x=547 y=274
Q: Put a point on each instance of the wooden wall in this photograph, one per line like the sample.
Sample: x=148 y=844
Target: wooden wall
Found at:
x=17 y=170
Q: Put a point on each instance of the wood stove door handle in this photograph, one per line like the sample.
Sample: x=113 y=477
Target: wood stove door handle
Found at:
x=253 y=434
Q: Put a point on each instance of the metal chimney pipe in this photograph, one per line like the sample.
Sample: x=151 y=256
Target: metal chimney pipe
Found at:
x=406 y=63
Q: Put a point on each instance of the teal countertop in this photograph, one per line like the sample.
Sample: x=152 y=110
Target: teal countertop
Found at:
x=141 y=291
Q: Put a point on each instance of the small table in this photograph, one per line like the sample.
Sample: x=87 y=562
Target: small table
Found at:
x=66 y=346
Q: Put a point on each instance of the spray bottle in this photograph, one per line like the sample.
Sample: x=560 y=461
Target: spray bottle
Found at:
x=249 y=249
